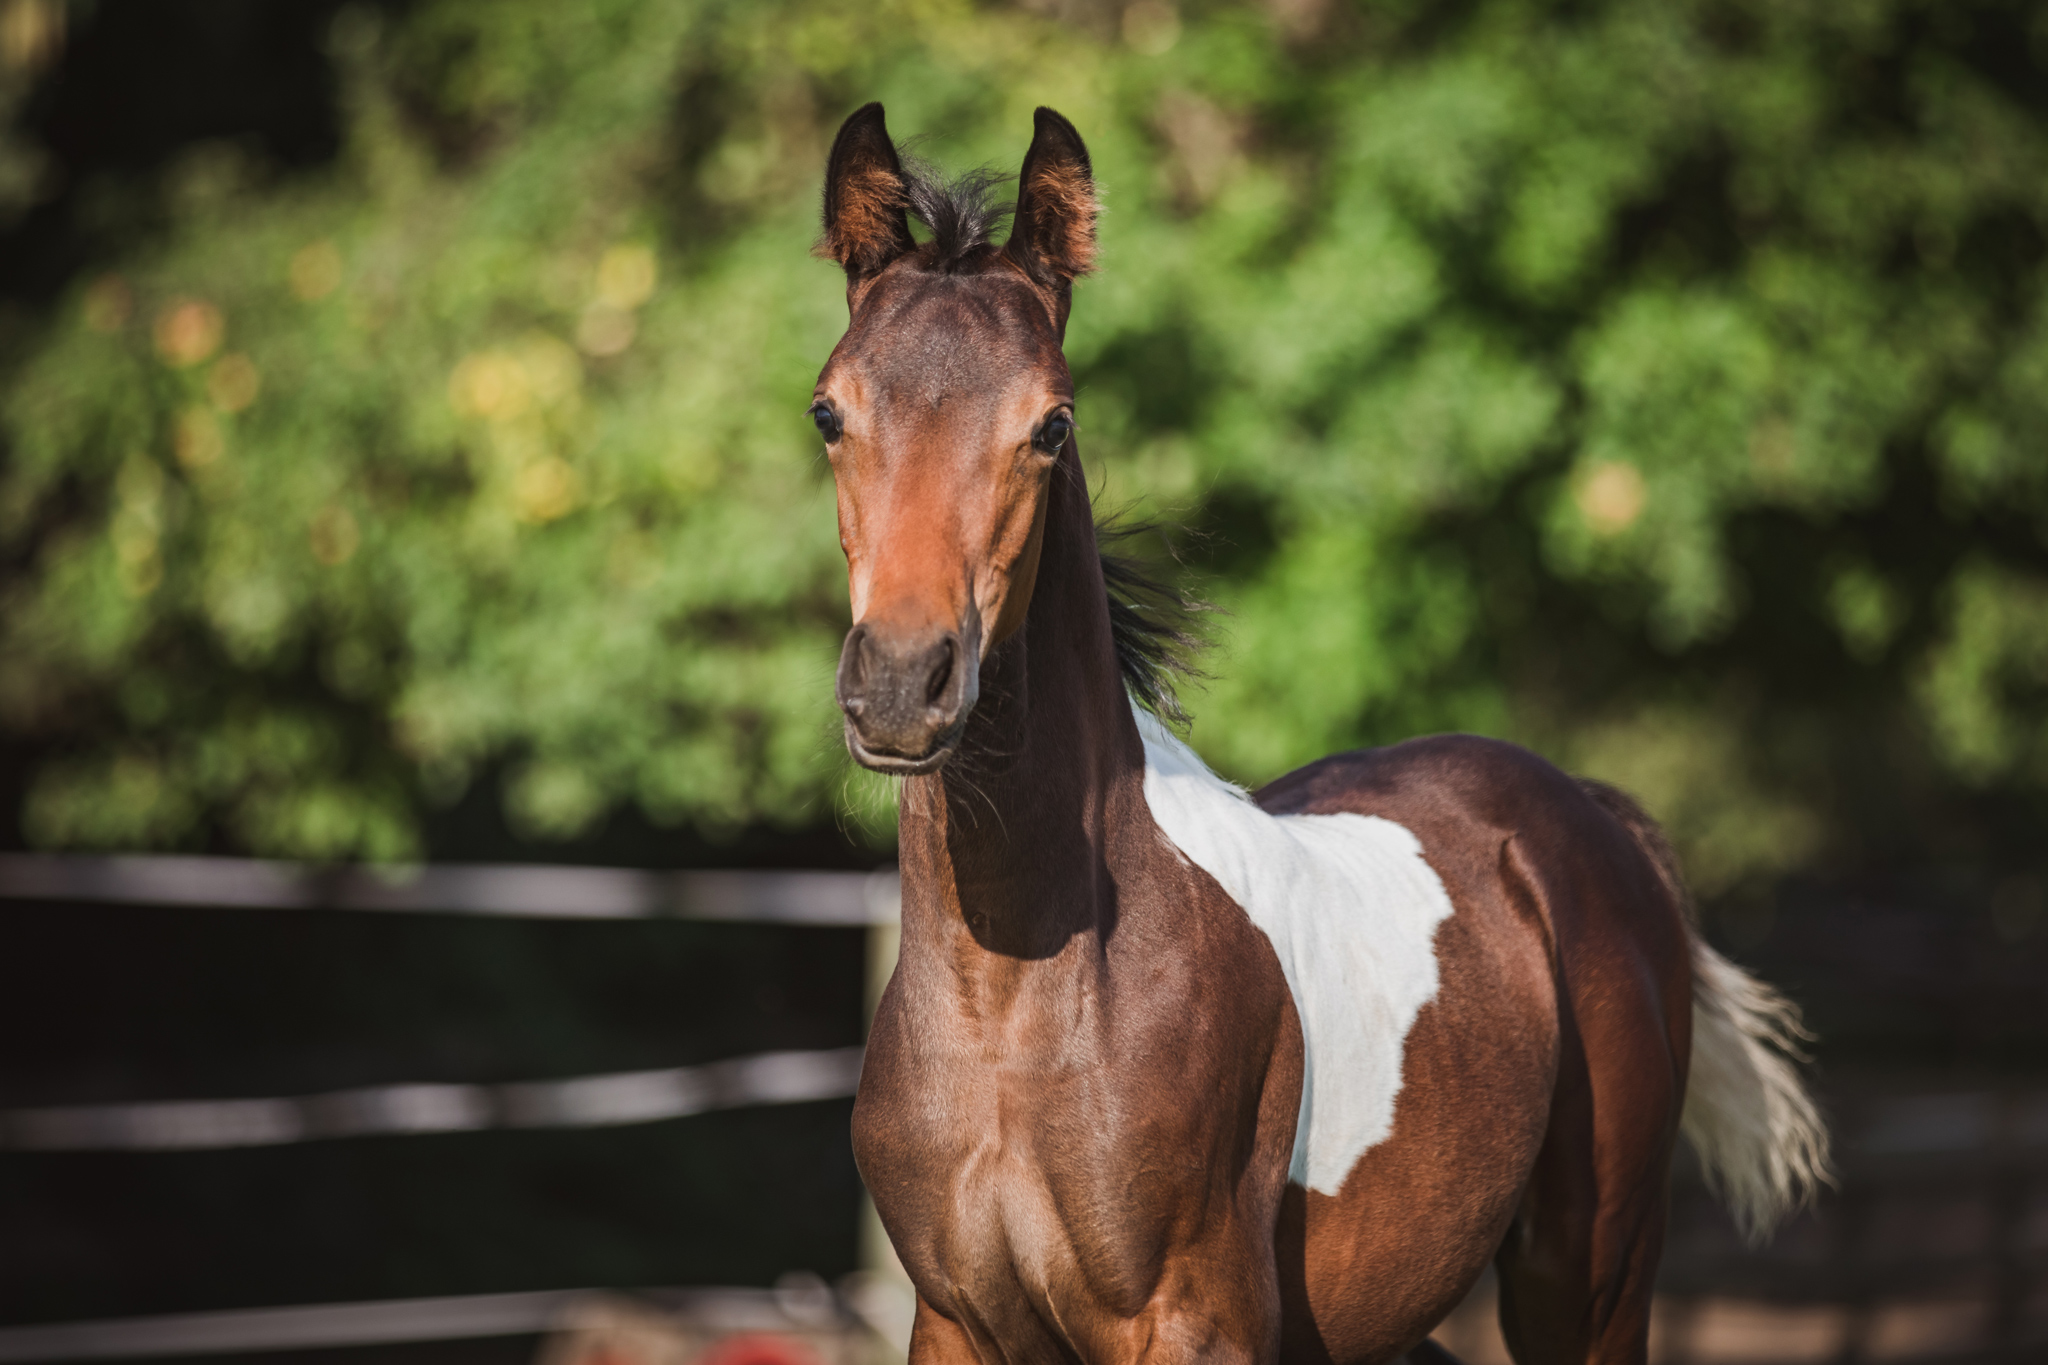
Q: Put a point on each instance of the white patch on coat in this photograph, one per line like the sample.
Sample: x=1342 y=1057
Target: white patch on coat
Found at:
x=1351 y=909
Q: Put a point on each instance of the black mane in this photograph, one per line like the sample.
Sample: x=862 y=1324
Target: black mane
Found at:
x=1152 y=625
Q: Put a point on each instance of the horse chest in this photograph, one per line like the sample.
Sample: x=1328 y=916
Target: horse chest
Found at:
x=1028 y=1191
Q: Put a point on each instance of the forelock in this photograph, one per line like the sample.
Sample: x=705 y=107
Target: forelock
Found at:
x=962 y=212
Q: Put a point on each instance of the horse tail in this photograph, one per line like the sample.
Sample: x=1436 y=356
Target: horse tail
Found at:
x=1762 y=1143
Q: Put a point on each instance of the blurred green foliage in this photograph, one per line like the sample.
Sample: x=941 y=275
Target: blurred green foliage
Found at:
x=1665 y=385
x=31 y=36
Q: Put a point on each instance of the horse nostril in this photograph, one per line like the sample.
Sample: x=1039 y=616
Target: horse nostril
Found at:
x=942 y=675
x=853 y=670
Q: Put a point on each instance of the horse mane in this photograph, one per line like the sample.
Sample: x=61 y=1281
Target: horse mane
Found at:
x=961 y=211
x=1152 y=624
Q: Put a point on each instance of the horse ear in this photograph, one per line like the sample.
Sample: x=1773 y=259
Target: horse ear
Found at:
x=1053 y=236
x=865 y=197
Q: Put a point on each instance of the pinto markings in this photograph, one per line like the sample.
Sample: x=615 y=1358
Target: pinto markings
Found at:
x=1351 y=910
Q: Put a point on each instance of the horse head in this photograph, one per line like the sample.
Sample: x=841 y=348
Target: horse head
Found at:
x=946 y=411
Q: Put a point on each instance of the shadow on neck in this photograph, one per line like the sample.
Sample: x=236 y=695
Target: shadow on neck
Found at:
x=1012 y=840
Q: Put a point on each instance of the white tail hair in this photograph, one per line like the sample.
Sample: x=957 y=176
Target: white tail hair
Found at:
x=1761 y=1142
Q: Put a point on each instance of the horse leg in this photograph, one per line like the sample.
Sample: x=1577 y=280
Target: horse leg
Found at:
x=1196 y=1336
x=1219 y=1311
x=936 y=1341
x=1558 y=1307
x=1579 y=1263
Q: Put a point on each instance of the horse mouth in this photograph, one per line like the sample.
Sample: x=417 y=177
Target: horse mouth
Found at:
x=906 y=765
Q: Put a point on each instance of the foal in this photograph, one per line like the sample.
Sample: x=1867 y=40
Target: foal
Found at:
x=1167 y=1072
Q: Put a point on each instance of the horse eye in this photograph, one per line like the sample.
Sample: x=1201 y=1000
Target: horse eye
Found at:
x=827 y=421
x=1054 y=434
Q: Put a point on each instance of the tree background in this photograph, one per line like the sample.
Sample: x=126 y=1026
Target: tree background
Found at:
x=402 y=454
x=1663 y=386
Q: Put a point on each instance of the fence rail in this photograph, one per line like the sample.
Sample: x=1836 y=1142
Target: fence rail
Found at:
x=602 y=1101
x=528 y=891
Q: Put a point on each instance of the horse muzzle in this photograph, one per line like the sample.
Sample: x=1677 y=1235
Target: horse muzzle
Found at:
x=906 y=695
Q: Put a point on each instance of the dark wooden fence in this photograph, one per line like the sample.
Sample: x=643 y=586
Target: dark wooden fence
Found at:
x=1934 y=1249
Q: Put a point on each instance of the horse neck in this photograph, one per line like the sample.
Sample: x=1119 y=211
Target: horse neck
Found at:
x=1007 y=850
